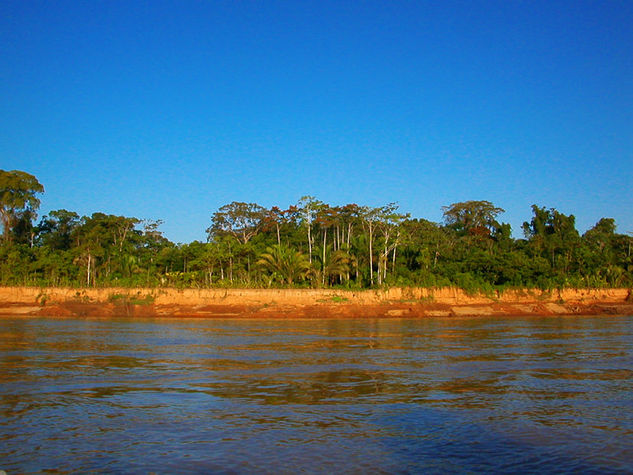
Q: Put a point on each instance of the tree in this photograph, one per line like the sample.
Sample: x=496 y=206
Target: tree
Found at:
x=325 y=218
x=18 y=191
x=371 y=219
x=284 y=263
x=107 y=246
x=389 y=225
x=152 y=242
x=336 y=264
x=308 y=207
x=55 y=229
x=89 y=244
x=473 y=217
x=602 y=234
x=241 y=220
x=553 y=234
x=275 y=217
x=349 y=214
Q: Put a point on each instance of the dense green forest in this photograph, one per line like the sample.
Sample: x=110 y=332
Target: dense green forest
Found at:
x=310 y=244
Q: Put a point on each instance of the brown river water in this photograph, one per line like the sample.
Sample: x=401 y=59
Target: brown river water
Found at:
x=538 y=394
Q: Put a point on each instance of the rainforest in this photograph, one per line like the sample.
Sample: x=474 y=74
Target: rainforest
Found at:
x=311 y=244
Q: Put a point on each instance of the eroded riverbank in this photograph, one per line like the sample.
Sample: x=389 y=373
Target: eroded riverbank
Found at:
x=297 y=303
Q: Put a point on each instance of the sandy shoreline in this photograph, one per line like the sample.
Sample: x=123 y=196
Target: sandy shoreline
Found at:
x=317 y=303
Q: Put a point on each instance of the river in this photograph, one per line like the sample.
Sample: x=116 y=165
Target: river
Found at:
x=547 y=395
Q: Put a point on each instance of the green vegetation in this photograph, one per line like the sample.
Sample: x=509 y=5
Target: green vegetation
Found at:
x=311 y=244
x=334 y=299
x=127 y=299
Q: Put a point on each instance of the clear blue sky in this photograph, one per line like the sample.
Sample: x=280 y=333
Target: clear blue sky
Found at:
x=171 y=109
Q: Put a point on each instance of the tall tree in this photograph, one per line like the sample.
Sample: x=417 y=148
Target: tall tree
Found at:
x=554 y=235
x=325 y=218
x=474 y=217
x=308 y=207
x=371 y=219
x=56 y=228
x=275 y=218
x=241 y=220
x=389 y=225
x=18 y=192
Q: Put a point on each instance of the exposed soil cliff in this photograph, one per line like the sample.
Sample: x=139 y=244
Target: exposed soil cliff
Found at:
x=293 y=303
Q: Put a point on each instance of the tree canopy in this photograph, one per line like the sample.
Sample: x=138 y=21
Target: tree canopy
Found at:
x=309 y=244
x=472 y=216
x=18 y=194
x=241 y=220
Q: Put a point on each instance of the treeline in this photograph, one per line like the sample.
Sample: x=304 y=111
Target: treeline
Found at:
x=310 y=244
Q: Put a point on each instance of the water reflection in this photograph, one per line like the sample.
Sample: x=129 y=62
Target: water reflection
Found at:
x=446 y=395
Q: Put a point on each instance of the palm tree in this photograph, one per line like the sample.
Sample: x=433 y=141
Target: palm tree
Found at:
x=284 y=263
x=337 y=264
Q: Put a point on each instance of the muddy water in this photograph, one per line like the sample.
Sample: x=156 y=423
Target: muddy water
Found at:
x=386 y=396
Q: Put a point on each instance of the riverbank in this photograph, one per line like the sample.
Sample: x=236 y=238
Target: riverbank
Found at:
x=321 y=303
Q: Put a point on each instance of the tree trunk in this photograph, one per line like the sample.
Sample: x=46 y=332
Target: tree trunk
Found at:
x=230 y=263
x=371 y=259
x=393 y=261
x=349 y=232
x=89 y=262
x=309 y=245
x=385 y=260
x=323 y=265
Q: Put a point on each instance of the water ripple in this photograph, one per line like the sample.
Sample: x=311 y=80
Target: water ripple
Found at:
x=549 y=395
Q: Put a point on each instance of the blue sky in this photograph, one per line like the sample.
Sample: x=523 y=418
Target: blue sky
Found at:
x=169 y=110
